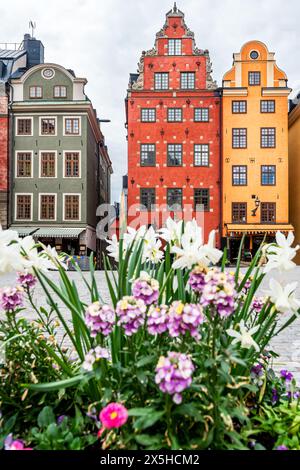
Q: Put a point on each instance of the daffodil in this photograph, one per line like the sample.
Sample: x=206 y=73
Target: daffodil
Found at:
x=244 y=336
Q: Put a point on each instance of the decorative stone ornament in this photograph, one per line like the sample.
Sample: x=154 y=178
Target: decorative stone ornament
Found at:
x=48 y=73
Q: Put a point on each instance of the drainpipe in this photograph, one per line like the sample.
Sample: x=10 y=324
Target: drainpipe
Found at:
x=221 y=163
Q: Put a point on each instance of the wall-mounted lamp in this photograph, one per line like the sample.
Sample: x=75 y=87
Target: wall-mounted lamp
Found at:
x=257 y=204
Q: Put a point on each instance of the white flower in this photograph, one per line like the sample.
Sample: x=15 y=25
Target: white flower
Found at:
x=283 y=298
x=172 y=231
x=244 y=337
x=192 y=250
x=152 y=247
x=33 y=257
x=113 y=247
x=280 y=255
x=10 y=257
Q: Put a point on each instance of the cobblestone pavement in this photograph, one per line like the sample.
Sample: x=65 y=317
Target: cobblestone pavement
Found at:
x=287 y=344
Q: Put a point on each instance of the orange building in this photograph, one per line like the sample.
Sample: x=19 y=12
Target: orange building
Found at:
x=255 y=149
x=173 y=122
x=294 y=161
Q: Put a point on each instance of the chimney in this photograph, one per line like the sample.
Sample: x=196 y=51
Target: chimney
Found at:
x=35 y=50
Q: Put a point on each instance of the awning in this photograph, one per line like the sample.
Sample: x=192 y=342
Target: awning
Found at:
x=256 y=229
x=58 y=232
x=24 y=231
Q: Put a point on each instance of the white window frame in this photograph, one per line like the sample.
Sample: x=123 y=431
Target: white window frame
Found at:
x=55 y=207
x=59 y=97
x=64 y=204
x=31 y=207
x=18 y=118
x=40 y=164
x=64 y=126
x=40 y=126
x=64 y=166
x=16 y=164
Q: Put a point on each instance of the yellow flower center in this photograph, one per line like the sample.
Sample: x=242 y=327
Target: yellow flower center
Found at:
x=113 y=415
x=180 y=308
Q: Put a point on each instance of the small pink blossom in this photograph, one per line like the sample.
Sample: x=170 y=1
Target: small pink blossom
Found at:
x=114 y=415
x=17 y=444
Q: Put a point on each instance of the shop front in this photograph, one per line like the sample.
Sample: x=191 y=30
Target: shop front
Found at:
x=254 y=235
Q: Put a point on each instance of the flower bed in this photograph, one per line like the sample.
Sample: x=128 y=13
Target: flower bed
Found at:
x=180 y=359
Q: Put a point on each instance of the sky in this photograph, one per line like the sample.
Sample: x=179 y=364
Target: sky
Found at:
x=102 y=40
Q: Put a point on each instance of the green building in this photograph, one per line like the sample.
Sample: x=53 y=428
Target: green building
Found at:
x=60 y=169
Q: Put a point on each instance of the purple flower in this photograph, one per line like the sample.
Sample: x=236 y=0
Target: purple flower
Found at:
x=174 y=374
x=94 y=356
x=17 y=444
x=197 y=278
x=11 y=298
x=258 y=304
x=146 y=289
x=282 y=447
x=131 y=314
x=183 y=318
x=100 y=319
x=219 y=291
x=257 y=373
x=275 y=396
x=61 y=418
x=286 y=375
x=26 y=280
x=158 y=319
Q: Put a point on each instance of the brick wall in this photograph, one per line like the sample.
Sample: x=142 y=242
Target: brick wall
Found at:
x=3 y=160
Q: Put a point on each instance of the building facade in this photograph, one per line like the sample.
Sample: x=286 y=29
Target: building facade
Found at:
x=60 y=165
x=15 y=59
x=173 y=122
x=255 y=149
x=294 y=163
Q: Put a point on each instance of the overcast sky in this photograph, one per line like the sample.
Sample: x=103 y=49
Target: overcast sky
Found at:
x=102 y=40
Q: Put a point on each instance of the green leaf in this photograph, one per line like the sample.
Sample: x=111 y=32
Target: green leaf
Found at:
x=51 y=386
x=148 y=441
x=46 y=417
x=144 y=422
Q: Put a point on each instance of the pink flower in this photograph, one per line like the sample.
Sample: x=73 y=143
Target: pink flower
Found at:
x=114 y=415
x=10 y=444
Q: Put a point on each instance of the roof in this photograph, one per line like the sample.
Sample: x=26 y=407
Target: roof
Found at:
x=259 y=228
x=11 y=54
x=58 y=232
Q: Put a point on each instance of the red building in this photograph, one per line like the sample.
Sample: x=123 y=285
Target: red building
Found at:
x=3 y=156
x=173 y=121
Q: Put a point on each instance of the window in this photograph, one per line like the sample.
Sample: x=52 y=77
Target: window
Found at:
x=254 y=55
x=47 y=207
x=148 y=115
x=201 y=154
x=148 y=155
x=239 y=212
x=201 y=114
x=239 y=138
x=161 y=81
x=239 y=175
x=268 y=175
x=24 y=165
x=72 y=207
x=48 y=126
x=174 y=155
x=174 y=114
x=268 y=137
x=201 y=199
x=35 y=92
x=72 y=165
x=60 y=91
x=72 y=126
x=254 y=78
x=147 y=198
x=174 y=199
x=239 y=107
x=187 y=80
x=174 y=47
x=268 y=212
x=267 y=106
x=23 y=206
x=48 y=165
x=24 y=126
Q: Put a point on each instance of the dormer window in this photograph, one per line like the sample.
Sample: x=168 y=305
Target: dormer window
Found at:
x=60 y=91
x=174 y=47
x=35 y=92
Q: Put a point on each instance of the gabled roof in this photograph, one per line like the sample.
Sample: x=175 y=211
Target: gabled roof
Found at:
x=11 y=54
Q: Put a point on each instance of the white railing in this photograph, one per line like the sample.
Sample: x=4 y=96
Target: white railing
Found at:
x=14 y=46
